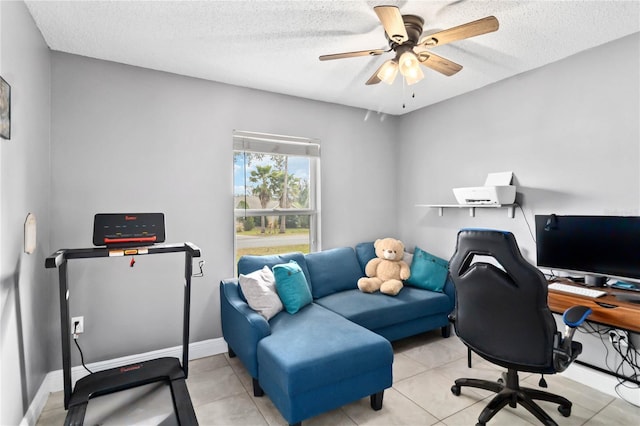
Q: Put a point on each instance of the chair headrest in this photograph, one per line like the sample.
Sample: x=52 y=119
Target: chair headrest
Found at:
x=472 y=242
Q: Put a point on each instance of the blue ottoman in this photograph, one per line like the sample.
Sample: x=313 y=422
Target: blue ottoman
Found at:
x=315 y=361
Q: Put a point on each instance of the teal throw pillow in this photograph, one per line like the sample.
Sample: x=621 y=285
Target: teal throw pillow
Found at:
x=292 y=286
x=428 y=271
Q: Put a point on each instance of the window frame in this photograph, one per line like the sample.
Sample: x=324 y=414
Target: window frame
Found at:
x=272 y=144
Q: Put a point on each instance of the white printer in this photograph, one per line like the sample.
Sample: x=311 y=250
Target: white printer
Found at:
x=497 y=189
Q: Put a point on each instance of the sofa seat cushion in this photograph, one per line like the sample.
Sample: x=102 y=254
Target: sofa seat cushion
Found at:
x=377 y=310
x=333 y=270
x=317 y=347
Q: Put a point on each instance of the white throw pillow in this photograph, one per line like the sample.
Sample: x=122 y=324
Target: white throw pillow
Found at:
x=259 y=288
x=408 y=258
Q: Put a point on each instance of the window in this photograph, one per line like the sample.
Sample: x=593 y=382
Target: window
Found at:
x=276 y=194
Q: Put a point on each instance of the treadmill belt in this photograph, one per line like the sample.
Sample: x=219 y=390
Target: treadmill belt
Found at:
x=149 y=404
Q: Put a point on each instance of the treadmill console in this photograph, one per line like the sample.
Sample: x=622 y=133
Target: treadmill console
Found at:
x=130 y=229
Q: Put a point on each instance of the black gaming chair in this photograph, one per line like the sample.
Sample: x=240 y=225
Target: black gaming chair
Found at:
x=501 y=314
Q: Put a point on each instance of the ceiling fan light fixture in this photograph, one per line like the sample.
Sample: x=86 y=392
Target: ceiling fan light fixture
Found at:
x=388 y=71
x=414 y=76
x=407 y=62
x=410 y=68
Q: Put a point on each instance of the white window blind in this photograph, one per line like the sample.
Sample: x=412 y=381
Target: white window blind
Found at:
x=275 y=144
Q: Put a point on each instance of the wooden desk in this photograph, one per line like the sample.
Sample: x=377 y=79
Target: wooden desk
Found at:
x=616 y=313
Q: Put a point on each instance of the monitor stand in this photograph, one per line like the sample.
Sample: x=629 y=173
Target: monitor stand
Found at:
x=595 y=280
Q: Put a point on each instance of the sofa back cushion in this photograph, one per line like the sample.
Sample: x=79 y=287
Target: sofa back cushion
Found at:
x=365 y=252
x=333 y=270
x=249 y=263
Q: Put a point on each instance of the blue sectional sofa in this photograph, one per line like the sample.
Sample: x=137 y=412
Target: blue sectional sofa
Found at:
x=336 y=349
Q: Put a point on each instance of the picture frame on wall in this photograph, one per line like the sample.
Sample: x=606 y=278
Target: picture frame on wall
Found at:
x=5 y=109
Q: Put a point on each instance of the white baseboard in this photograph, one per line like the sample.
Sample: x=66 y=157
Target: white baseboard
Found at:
x=602 y=382
x=53 y=381
x=37 y=404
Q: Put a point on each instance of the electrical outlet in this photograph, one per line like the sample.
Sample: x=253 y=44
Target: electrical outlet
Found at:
x=79 y=329
x=617 y=337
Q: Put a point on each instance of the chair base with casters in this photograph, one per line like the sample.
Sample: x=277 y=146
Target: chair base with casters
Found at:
x=508 y=387
x=510 y=392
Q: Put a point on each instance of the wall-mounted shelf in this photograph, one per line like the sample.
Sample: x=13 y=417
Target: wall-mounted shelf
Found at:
x=472 y=208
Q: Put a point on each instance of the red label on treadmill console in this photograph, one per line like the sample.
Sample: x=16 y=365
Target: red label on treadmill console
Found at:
x=130 y=368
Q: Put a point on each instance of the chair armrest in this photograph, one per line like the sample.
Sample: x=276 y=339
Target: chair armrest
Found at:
x=242 y=327
x=567 y=350
x=575 y=315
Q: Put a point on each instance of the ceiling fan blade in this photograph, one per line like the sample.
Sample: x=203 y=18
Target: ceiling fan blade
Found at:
x=470 y=29
x=392 y=22
x=438 y=63
x=372 y=52
x=386 y=72
x=374 y=79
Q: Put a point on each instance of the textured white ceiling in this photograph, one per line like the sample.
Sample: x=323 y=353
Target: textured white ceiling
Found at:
x=274 y=45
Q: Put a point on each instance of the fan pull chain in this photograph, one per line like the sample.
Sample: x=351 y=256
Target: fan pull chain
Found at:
x=413 y=94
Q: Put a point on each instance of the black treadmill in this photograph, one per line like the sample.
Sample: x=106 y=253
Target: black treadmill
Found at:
x=167 y=370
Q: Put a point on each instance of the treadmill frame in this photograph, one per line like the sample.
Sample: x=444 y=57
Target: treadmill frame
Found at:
x=100 y=384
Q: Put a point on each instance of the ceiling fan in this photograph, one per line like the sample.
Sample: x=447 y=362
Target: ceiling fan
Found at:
x=403 y=33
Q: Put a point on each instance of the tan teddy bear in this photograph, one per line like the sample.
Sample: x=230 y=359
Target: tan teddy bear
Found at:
x=386 y=271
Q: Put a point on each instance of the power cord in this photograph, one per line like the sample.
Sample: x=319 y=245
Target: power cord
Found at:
x=527 y=222
x=201 y=267
x=629 y=356
x=75 y=340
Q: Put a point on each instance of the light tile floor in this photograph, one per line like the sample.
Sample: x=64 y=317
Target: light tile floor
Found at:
x=424 y=369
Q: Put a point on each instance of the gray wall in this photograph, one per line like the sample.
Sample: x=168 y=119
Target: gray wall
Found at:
x=25 y=292
x=127 y=139
x=569 y=131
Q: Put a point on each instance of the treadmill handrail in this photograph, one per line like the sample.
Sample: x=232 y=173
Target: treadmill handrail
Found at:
x=61 y=256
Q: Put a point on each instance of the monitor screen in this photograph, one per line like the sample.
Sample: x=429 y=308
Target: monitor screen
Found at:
x=598 y=245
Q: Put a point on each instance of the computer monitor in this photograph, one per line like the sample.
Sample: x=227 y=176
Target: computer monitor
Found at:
x=600 y=246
